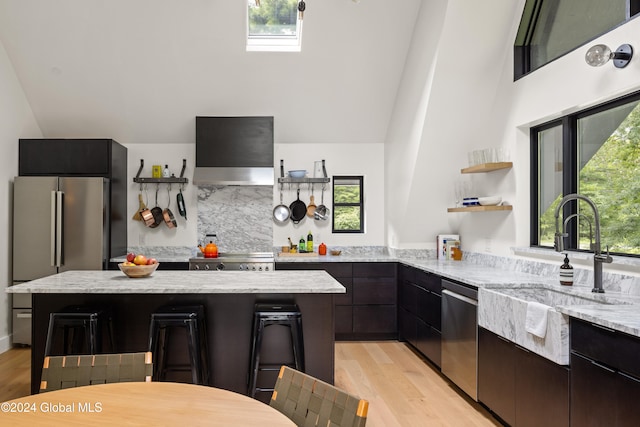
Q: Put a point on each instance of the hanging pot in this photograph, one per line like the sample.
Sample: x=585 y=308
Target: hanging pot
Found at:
x=167 y=215
x=311 y=208
x=146 y=214
x=156 y=211
x=298 y=209
x=281 y=212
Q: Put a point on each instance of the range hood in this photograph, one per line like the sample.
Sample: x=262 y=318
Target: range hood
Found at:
x=234 y=151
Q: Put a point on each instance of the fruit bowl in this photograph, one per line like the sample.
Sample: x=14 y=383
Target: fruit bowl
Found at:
x=138 y=271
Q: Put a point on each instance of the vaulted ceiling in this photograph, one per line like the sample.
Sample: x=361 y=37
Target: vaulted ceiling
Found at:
x=140 y=71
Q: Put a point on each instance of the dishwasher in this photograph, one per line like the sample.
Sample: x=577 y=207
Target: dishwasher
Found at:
x=460 y=336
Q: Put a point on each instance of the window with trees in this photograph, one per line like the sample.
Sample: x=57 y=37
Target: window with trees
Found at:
x=595 y=153
x=551 y=28
x=348 y=204
x=273 y=25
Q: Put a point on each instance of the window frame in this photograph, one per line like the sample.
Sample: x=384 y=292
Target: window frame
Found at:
x=360 y=179
x=570 y=169
x=527 y=27
x=274 y=43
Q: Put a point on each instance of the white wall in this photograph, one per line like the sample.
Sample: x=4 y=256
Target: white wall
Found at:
x=340 y=159
x=457 y=94
x=16 y=121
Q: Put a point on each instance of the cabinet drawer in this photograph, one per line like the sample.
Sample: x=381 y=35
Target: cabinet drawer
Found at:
x=429 y=281
x=375 y=319
x=430 y=308
x=377 y=269
x=374 y=291
x=408 y=327
x=611 y=348
x=409 y=297
x=338 y=269
x=429 y=342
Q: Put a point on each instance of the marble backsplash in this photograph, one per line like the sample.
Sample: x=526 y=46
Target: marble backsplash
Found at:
x=240 y=216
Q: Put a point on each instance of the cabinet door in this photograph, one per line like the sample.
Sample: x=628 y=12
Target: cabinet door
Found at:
x=542 y=391
x=496 y=375
x=374 y=290
x=347 y=297
x=65 y=157
x=593 y=394
x=429 y=342
x=628 y=412
x=407 y=327
x=343 y=319
x=375 y=319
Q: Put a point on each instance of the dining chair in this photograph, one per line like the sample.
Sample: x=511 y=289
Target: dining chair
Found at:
x=308 y=401
x=79 y=370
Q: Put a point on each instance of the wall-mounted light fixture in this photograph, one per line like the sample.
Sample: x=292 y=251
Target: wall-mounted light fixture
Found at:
x=600 y=54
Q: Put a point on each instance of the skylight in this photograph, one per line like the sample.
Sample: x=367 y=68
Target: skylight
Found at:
x=274 y=25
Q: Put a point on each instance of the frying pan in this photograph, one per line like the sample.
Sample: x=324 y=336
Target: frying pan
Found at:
x=182 y=210
x=298 y=209
x=156 y=211
x=167 y=215
x=281 y=212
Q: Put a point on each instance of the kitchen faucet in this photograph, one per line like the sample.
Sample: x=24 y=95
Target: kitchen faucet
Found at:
x=598 y=256
x=586 y=218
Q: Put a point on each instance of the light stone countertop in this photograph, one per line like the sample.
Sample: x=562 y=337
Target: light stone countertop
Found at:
x=623 y=318
x=184 y=282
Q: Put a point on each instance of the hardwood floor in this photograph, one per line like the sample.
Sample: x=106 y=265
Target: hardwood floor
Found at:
x=402 y=389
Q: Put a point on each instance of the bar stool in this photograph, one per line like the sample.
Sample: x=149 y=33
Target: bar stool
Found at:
x=274 y=314
x=80 y=323
x=192 y=319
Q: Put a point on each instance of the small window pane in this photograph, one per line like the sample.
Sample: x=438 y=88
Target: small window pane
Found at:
x=348 y=206
x=274 y=18
x=550 y=181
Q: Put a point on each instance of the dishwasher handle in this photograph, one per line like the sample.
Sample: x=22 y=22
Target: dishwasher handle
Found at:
x=459 y=297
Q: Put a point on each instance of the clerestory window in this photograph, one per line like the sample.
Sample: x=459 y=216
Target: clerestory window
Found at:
x=551 y=28
x=274 y=25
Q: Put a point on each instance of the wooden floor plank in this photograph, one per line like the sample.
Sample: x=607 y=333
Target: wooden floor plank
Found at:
x=402 y=388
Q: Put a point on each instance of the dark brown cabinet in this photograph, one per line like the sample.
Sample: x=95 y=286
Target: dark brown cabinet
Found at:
x=419 y=311
x=84 y=158
x=368 y=310
x=605 y=376
x=521 y=387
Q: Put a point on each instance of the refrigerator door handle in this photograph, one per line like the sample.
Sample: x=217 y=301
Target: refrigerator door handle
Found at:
x=53 y=228
x=59 y=228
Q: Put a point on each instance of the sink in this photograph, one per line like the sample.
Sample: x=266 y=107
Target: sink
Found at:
x=555 y=298
x=503 y=312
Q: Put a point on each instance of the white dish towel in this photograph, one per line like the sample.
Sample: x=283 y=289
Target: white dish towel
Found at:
x=536 y=320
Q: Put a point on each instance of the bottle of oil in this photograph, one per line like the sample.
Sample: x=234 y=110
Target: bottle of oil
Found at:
x=302 y=246
x=309 y=242
x=566 y=272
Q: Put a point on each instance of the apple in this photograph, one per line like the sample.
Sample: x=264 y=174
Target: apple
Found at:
x=140 y=260
x=128 y=264
x=151 y=261
x=131 y=256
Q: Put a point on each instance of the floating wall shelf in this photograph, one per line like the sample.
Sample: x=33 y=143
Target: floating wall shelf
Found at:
x=481 y=208
x=487 y=167
x=289 y=180
x=172 y=180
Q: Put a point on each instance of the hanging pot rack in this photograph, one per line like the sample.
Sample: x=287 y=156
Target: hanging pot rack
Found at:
x=171 y=180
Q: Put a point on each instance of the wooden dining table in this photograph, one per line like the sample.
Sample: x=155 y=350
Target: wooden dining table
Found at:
x=140 y=404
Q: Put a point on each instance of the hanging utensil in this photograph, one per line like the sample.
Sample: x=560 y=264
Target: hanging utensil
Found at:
x=298 y=209
x=301 y=7
x=169 y=219
x=281 y=213
x=311 y=207
x=322 y=212
x=182 y=210
x=141 y=206
x=156 y=211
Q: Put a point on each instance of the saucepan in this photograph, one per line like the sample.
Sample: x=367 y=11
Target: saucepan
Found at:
x=321 y=212
x=156 y=211
x=167 y=215
x=146 y=214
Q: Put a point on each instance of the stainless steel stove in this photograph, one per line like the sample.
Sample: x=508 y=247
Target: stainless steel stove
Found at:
x=255 y=261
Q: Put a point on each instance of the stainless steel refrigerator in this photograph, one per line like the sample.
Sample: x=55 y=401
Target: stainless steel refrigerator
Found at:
x=59 y=224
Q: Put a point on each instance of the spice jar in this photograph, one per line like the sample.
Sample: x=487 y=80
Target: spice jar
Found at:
x=322 y=249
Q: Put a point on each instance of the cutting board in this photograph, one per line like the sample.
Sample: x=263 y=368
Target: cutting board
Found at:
x=297 y=254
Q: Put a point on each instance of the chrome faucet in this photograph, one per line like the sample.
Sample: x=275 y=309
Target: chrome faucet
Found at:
x=598 y=256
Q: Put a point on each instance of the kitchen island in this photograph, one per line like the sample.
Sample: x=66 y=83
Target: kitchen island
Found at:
x=228 y=297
